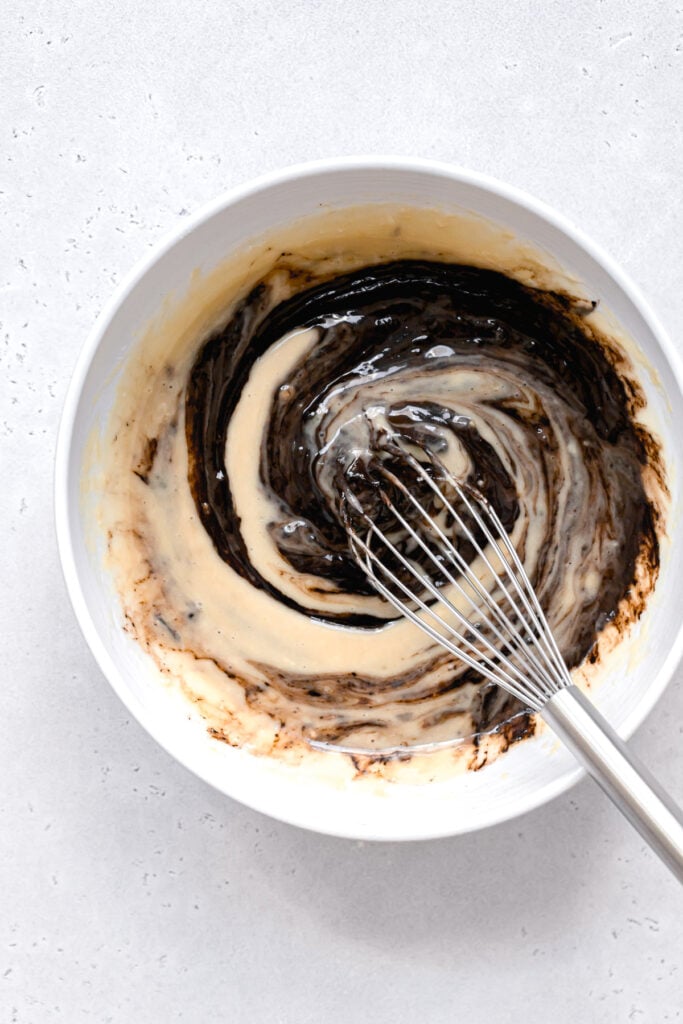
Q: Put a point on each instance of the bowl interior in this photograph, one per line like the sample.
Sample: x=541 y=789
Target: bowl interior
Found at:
x=528 y=774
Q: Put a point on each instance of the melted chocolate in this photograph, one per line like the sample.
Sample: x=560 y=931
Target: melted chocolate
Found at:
x=380 y=320
x=418 y=320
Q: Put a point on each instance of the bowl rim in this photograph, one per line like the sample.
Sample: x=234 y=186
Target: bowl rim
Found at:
x=296 y=815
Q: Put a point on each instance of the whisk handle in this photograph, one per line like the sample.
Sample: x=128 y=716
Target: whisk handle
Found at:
x=627 y=782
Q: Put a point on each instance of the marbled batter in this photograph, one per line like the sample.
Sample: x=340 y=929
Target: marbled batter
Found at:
x=232 y=556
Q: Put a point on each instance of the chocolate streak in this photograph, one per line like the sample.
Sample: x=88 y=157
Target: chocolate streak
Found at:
x=411 y=320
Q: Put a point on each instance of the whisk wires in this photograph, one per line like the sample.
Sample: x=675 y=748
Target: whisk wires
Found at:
x=498 y=629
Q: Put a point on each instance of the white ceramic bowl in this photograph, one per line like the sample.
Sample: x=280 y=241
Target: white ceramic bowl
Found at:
x=533 y=771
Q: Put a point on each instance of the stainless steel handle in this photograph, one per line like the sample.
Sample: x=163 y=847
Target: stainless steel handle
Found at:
x=626 y=781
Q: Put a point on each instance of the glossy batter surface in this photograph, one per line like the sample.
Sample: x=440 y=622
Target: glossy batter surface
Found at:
x=243 y=582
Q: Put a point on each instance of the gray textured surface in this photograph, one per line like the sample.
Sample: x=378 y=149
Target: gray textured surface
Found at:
x=132 y=892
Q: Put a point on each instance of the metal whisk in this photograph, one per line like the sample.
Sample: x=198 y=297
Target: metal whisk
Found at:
x=492 y=620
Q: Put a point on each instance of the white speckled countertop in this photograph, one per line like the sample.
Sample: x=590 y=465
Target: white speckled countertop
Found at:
x=130 y=891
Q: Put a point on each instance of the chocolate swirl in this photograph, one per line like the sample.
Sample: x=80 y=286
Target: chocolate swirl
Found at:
x=508 y=381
